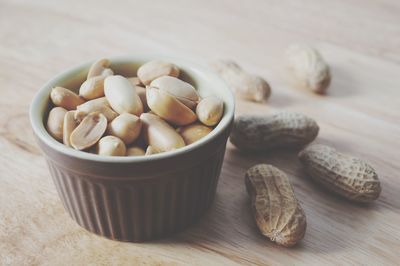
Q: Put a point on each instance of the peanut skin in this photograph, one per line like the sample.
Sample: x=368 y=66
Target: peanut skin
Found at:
x=261 y=133
x=276 y=210
x=343 y=174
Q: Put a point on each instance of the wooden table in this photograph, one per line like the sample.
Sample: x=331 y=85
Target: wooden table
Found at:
x=360 y=115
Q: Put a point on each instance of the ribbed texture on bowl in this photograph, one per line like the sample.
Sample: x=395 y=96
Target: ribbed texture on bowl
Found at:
x=134 y=209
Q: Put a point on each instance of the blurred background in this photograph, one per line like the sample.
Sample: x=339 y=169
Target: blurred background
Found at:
x=42 y=38
x=250 y=31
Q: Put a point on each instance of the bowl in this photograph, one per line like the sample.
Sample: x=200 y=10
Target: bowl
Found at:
x=136 y=198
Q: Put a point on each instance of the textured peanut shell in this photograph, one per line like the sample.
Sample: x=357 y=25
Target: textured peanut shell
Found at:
x=276 y=210
x=308 y=68
x=65 y=98
x=284 y=129
x=246 y=86
x=55 y=122
x=89 y=131
x=100 y=105
x=69 y=125
x=155 y=69
x=169 y=108
x=343 y=174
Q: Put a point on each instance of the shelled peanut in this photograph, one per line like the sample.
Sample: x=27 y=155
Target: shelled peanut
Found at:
x=117 y=116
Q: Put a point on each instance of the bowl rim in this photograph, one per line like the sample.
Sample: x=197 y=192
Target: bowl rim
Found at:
x=39 y=129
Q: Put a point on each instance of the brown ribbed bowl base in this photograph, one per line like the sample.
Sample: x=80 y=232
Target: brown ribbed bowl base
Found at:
x=131 y=209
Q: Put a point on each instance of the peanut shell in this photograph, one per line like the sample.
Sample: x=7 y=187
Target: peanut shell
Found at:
x=284 y=129
x=308 y=68
x=245 y=85
x=276 y=210
x=343 y=174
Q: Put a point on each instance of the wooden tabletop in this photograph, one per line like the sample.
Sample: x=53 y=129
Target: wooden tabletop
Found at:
x=360 y=115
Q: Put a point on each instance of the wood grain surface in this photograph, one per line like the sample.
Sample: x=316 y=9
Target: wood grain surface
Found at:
x=360 y=115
